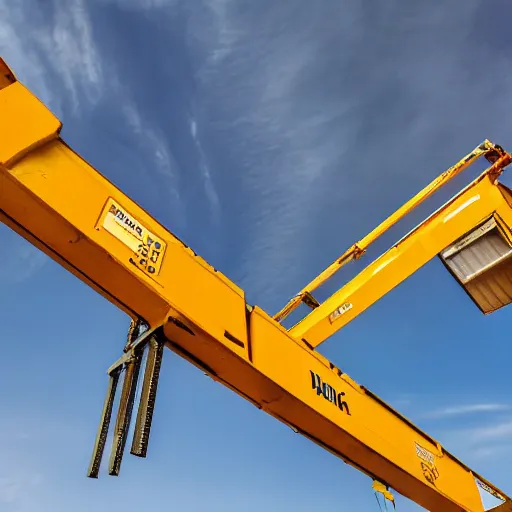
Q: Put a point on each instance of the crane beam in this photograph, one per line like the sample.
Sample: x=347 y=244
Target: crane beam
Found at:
x=482 y=199
x=487 y=149
x=57 y=201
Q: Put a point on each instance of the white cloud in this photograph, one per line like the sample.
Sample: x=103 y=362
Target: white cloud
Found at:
x=401 y=403
x=193 y=128
x=21 y=477
x=19 y=49
x=487 y=452
x=52 y=54
x=10 y=489
x=20 y=259
x=284 y=143
x=496 y=431
x=209 y=186
x=314 y=127
x=226 y=31
x=52 y=51
x=154 y=142
x=29 y=470
x=468 y=409
x=472 y=444
x=143 y=5
x=16 y=490
x=76 y=58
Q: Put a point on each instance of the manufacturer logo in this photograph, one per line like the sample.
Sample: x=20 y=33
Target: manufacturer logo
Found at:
x=428 y=464
x=424 y=454
x=329 y=393
x=124 y=220
x=148 y=250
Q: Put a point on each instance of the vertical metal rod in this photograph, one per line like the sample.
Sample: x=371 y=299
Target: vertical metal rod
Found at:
x=133 y=334
x=101 y=436
x=147 y=397
x=124 y=414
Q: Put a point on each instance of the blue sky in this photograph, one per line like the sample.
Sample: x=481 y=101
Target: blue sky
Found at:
x=269 y=136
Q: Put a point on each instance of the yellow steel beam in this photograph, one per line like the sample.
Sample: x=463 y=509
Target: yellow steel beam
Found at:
x=477 y=202
x=57 y=201
x=359 y=248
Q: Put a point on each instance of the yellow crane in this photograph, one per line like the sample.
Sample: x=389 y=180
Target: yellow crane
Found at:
x=57 y=201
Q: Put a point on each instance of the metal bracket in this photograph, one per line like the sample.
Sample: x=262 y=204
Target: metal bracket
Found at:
x=130 y=362
x=310 y=301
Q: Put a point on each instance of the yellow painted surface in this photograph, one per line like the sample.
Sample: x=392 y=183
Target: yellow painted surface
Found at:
x=475 y=204
x=26 y=123
x=42 y=196
x=359 y=248
x=147 y=248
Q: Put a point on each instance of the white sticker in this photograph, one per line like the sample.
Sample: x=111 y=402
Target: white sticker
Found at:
x=340 y=311
x=490 y=490
x=148 y=249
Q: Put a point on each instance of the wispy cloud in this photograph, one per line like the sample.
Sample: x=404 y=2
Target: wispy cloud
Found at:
x=473 y=431
x=468 y=409
x=492 y=439
x=20 y=259
x=76 y=58
x=209 y=186
x=489 y=452
x=492 y=432
x=53 y=51
x=155 y=144
x=31 y=447
x=281 y=144
x=311 y=127
x=402 y=402
x=16 y=490
x=21 y=477
x=143 y=5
